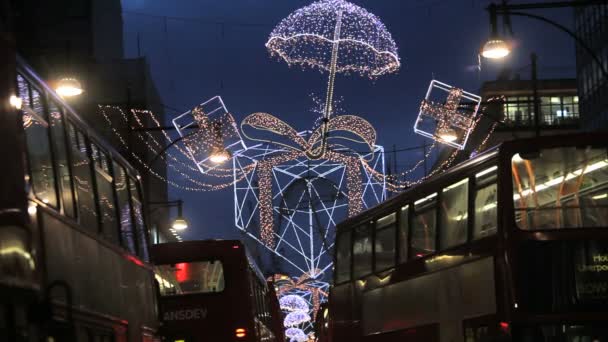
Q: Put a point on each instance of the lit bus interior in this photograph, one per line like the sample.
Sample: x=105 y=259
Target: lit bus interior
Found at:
x=561 y=188
x=190 y=277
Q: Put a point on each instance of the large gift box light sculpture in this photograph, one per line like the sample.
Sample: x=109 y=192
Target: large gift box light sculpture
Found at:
x=445 y=116
x=291 y=203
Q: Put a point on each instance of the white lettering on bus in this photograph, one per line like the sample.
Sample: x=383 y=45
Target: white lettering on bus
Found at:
x=185 y=314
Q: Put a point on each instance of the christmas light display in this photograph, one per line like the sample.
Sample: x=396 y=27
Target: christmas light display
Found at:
x=210 y=134
x=445 y=123
x=293 y=303
x=296 y=318
x=338 y=37
x=296 y=335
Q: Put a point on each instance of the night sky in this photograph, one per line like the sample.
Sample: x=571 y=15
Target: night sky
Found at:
x=193 y=57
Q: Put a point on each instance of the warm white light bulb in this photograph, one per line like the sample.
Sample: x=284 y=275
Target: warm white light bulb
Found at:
x=220 y=156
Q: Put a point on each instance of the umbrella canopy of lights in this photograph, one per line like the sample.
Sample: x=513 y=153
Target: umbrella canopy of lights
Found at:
x=296 y=318
x=338 y=37
x=295 y=334
x=293 y=303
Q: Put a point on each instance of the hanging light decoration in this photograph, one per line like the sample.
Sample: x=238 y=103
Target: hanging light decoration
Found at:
x=296 y=318
x=338 y=37
x=293 y=303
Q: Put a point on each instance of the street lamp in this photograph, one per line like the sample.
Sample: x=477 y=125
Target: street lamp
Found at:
x=68 y=87
x=495 y=49
x=179 y=223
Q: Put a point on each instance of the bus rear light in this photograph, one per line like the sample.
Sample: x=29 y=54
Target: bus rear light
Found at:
x=504 y=326
x=240 y=332
x=235 y=247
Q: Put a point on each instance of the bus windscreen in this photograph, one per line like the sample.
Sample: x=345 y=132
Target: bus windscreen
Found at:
x=564 y=187
x=190 y=278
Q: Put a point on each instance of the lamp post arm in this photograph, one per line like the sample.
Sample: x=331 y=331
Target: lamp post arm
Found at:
x=579 y=41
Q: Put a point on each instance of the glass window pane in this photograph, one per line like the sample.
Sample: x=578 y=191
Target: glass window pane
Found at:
x=61 y=159
x=140 y=229
x=454 y=214
x=485 y=212
x=343 y=257
x=38 y=144
x=385 y=242
x=561 y=188
x=81 y=169
x=105 y=194
x=404 y=228
x=190 y=277
x=424 y=226
x=362 y=251
x=127 y=237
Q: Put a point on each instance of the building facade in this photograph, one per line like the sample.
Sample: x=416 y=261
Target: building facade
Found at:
x=84 y=39
x=591 y=26
x=514 y=108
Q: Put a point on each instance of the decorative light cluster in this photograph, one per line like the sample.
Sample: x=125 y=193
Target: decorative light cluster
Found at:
x=306 y=284
x=309 y=36
x=296 y=335
x=347 y=129
x=293 y=303
x=210 y=134
x=296 y=318
x=444 y=122
x=178 y=158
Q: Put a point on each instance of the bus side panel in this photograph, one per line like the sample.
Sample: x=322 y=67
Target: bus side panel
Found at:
x=444 y=297
x=105 y=286
x=342 y=311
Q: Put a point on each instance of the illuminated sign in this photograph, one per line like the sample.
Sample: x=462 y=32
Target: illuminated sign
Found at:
x=185 y=314
x=592 y=276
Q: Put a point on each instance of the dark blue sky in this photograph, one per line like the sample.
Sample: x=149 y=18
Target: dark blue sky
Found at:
x=193 y=58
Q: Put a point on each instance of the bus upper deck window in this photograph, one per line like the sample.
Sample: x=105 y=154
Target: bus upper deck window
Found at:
x=564 y=187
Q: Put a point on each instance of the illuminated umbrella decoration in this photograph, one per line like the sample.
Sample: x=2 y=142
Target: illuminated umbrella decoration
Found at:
x=295 y=334
x=338 y=37
x=293 y=303
x=296 y=318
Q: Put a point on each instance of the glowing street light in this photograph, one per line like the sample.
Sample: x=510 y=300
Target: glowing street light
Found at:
x=68 y=87
x=180 y=223
x=15 y=101
x=495 y=48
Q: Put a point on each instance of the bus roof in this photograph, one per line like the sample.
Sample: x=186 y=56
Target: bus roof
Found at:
x=573 y=139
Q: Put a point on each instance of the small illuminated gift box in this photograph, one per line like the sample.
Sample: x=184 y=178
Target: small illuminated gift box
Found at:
x=210 y=134
x=447 y=114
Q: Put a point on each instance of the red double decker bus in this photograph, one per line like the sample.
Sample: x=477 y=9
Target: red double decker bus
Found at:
x=213 y=291
x=509 y=246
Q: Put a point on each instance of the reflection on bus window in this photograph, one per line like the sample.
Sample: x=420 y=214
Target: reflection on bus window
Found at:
x=190 y=277
x=424 y=226
x=343 y=257
x=454 y=214
x=362 y=251
x=404 y=228
x=385 y=242
x=61 y=158
x=561 y=188
x=38 y=143
x=105 y=193
x=87 y=210
x=486 y=199
x=140 y=231
x=124 y=209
